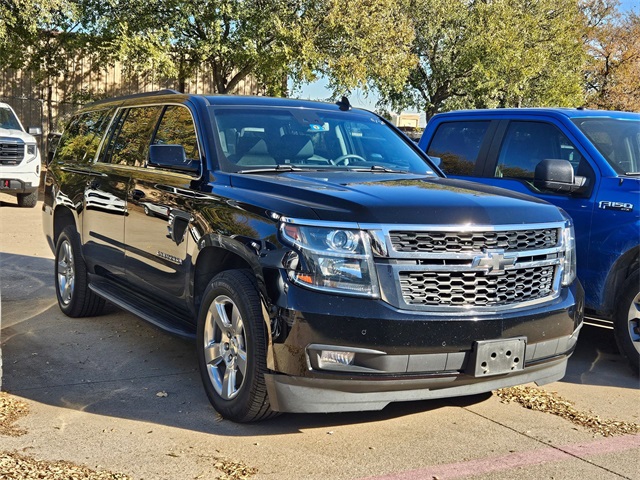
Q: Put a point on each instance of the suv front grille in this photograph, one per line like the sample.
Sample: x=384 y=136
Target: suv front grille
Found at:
x=477 y=288
x=452 y=242
x=11 y=153
x=445 y=269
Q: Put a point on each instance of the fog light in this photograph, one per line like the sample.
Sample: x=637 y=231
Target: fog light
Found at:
x=331 y=358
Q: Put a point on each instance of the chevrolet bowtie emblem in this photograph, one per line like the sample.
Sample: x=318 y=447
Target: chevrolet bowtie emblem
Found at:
x=494 y=262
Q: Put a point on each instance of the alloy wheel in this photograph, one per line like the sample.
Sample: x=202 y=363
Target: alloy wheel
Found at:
x=225 y=349
x=634 y=322
x=66 y=273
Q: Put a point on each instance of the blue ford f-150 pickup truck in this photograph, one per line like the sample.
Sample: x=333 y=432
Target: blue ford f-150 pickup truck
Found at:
x=594 y=159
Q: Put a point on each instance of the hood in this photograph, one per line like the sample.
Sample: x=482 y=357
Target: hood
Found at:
x=16 y=134
x=388 y=199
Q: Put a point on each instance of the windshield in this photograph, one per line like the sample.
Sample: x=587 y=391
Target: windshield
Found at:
x=274 y=139
x=618 y=140
x=8 y=120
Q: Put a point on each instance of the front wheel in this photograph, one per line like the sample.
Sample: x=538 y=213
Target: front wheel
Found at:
x=72 y=284
x=28 y=200
x=231 y=345
x=627 y=321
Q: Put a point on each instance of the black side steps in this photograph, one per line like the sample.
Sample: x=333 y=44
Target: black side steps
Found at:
x=155 y=314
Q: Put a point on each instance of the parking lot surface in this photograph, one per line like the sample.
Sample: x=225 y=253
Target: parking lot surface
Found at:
x=115 y=393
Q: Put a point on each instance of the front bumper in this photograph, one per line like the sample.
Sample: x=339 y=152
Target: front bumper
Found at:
x=404 y=355
x=23 y=178
x=14 y=185
x=316 y=395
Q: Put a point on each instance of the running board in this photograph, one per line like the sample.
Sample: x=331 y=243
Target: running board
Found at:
x=598 y=322
x=141 y=307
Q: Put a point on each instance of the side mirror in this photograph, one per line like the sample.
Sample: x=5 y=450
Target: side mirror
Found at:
x=172 y=157
x=557 y=176
x=35 y=130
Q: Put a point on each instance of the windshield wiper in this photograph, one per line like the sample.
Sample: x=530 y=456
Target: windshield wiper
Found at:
x=377 y=168
x=277 y=168
x=633 y=174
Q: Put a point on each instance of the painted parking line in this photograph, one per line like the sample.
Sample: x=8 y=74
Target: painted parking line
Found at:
x=515 y=460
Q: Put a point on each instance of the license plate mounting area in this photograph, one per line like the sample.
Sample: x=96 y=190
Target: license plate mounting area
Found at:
x=497 y=357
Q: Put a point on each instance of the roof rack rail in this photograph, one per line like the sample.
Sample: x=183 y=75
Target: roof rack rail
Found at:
x=166 y=91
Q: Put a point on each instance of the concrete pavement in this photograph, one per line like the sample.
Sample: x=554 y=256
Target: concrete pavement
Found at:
x=97 y=386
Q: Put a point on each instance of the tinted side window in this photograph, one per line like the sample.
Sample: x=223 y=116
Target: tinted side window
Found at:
x=527 y=143
x=81 y=139
x=457 y=144
x=177 y=128
x=132 y=134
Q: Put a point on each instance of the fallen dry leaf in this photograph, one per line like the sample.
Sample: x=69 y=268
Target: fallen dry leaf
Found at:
x=16 y=466
x=11 y=410
x=550 y=402
x=234 y=470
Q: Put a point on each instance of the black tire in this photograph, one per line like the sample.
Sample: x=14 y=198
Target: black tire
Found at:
x=232 y=346
x=627 y=321
x=72 y=283
x=28 y=199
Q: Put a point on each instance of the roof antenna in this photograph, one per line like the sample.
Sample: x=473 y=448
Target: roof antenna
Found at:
x=344 y=104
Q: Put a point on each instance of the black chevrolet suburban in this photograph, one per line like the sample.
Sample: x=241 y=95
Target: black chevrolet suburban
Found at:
x=318 y=259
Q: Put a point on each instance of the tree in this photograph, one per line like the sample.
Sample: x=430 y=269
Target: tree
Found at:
x=24 y=15
x=488 y=53
x=355 y=44
x=43 y=38
x=612 y=70
x=351 y=42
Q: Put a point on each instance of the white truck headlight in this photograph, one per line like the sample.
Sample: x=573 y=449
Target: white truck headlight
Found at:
x=32 y=152
x=331 y=259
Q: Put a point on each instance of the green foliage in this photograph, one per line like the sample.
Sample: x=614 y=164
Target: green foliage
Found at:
x=350 y=42
x=355 y=44
x=481 y=53
x=430 y=55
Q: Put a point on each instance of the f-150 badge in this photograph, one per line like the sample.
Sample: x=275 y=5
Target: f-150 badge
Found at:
x=620 y=206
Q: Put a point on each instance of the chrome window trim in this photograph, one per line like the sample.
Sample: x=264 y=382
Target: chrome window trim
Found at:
x=119 y=108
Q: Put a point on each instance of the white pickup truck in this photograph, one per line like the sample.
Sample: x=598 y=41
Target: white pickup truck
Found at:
x=19 y=158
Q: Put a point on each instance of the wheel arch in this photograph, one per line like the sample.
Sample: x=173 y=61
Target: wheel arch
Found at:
x=623 y=268
x=213 y=260
x=62 y=217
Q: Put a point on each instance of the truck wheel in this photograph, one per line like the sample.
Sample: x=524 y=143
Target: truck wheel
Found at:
x=627 y=321
x=27 y=199
x=231 y=344
x=72 y=286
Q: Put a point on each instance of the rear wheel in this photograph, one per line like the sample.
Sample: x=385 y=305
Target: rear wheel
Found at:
x=27 y=199
x=72 y=286
x=627 y=321
x=231 y=347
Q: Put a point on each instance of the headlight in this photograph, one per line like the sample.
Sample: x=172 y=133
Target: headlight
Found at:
x=569 y=242
x=331 y=259
x=32 y=151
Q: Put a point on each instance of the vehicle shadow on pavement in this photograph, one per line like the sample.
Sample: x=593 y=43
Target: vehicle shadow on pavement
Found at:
x=116 y=365
x=597 y=361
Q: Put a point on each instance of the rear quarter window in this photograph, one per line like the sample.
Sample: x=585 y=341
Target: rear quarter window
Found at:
x=81 y=139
